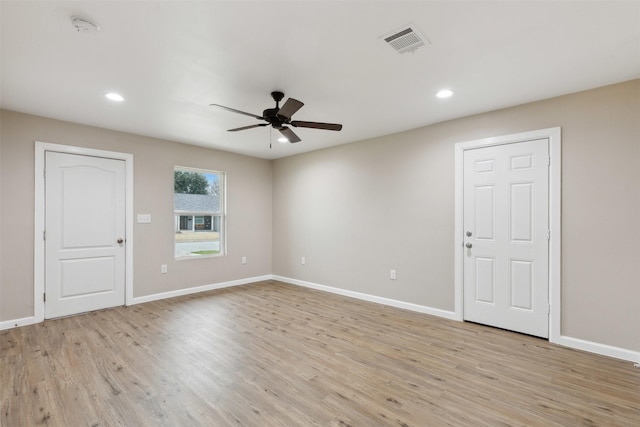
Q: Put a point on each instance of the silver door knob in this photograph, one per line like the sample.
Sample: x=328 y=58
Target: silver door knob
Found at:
x=468 y=245
x=120 y=241
x=468 y=233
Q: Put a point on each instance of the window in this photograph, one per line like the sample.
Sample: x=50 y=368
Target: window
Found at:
x=198 y=209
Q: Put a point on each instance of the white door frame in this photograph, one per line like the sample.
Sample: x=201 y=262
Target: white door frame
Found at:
x=555 y=142
x=39 y=218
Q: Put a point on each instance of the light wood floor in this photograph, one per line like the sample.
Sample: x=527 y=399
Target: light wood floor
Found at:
x=271 y=354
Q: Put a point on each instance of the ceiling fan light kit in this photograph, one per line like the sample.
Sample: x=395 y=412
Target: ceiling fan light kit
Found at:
x=280 y=117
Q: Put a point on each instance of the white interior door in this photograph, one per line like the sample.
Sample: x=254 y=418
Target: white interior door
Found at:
x=84 y=233
x=506 y=236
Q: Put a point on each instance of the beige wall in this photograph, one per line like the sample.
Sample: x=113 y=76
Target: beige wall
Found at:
x=358 y=210
x=248 y=208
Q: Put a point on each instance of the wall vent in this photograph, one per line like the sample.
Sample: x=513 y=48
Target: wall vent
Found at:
x=406 y=39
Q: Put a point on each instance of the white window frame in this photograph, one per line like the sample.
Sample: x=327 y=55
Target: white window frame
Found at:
x=222 y=179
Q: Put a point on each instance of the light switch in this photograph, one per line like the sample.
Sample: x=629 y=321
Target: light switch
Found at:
x=144 y=218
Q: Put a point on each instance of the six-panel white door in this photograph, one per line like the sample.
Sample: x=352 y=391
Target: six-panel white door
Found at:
x=506 y=225
x=85 y=232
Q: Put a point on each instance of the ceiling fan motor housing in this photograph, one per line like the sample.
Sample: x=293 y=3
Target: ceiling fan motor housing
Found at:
x=277 y=96
x=271 y=116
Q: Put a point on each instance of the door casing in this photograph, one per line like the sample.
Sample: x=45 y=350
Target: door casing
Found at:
x=554 y=137
x=39 y=217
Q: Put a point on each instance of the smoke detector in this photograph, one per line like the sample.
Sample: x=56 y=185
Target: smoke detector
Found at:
x=81 y=25
x=405 y=39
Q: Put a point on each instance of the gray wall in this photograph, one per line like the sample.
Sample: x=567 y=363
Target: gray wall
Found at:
x=357 y=210
x=248 y=209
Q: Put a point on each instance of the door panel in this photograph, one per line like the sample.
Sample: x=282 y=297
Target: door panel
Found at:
x=84 y=221
x=485 y=283
x=521 y=209
x=521 y=284
x=506 y=222
x=485 y=212
x=74 y=273
x=87 y=205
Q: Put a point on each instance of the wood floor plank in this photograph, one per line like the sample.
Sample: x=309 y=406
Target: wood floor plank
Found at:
x=272 y=354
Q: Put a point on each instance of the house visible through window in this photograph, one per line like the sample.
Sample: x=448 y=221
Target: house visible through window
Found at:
x=199 y=212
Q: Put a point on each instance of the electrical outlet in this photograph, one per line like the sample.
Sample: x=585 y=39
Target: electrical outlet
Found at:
x=163 y=268
x=303 y=261
x=244 y=259
x=392 y=274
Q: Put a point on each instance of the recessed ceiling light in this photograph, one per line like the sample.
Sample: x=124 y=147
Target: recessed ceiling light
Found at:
x=112 y=96
x=444 y=93
x=283 y=139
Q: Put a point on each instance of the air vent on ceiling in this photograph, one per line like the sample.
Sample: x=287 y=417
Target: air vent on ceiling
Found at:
x=406 y=39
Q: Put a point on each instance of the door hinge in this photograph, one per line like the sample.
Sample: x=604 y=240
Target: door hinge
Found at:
x=548 y=160
x=548 y=234
x=44 y=173
x=44 y=235
x=548 y=309
x=44 y=297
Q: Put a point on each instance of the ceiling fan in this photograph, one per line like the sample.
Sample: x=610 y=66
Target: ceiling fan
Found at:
x=279 y=118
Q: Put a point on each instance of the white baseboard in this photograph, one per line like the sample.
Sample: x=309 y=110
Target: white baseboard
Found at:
x=8 y=324
x=371 y=298
x=602 y=349
x=575 y=343
x=194 y=290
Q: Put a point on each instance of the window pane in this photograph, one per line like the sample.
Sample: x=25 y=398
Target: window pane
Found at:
x=198 y=212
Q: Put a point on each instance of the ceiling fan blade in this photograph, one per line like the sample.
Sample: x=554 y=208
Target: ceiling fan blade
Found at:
x=248 y=127
x=316 y=125
x=288 y=133
x=237 y=111
x=289 y=108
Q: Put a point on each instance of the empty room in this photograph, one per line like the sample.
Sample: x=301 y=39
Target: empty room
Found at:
x=319 y=213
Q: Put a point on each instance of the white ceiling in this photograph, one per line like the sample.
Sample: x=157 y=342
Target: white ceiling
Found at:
x=171 y=59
